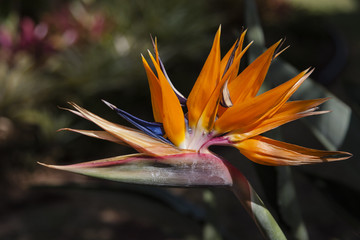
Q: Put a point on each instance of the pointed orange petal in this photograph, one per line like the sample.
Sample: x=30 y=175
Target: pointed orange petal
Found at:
x=269 y=124
x=231 y=74
x=281 y=51
x=155 y=90
x=136 y=139
x=225 y=59
x=243 y=116
x=300 y=106
x=267 y=151
x=234 y=67
x=205 y=84
x=208 y=115
x=249 y=81
x=290 y=111
x=172 y=113
x=156 y=51
x=96 y=134
x=238 y=52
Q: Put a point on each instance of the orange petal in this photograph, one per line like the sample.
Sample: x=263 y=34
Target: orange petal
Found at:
x=136 y=139
x=208 y=115
x=290 y=111
x=234 y=67
x=225 y=59
x=267 y=151
x=172 y=113
x=248 y=83
x=280 y=52
x=237 y=53
x=300 y=105
x=205 y=83
x=156 y=50
x=231 y=74
x=243 y=116
x=155 y=90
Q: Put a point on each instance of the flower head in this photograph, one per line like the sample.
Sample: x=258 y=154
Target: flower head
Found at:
x=223 y=108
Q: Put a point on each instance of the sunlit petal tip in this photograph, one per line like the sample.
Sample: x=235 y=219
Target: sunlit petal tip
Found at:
x=143 y=58
x=323 y=112
x=323 y=100
x=337 y=156
x=315 y=112
x=279 y=51
x=49 y=165
x=72 y=111
x=112 y=106
x=154 y=43
x=152 y=40
x=149 y=52
x=67 y=129
x=59 y=167
x=309 y=70
x=62 y=129
x=276 y=48
x=64 y=108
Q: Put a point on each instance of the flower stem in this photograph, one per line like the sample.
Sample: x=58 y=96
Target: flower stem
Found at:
x=255 y=207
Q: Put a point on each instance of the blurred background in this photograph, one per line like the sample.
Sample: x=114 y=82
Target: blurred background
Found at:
x=52 y=52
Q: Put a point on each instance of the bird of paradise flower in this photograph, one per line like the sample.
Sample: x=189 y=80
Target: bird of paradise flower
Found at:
x=223 y=108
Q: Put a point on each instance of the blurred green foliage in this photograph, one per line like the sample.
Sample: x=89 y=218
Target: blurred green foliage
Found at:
x=52 y=52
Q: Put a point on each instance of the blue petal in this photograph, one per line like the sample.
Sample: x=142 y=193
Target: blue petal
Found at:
x=153 y=129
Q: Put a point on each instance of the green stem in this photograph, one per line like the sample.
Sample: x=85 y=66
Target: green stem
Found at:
x=288 y=204
x=255 y=207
